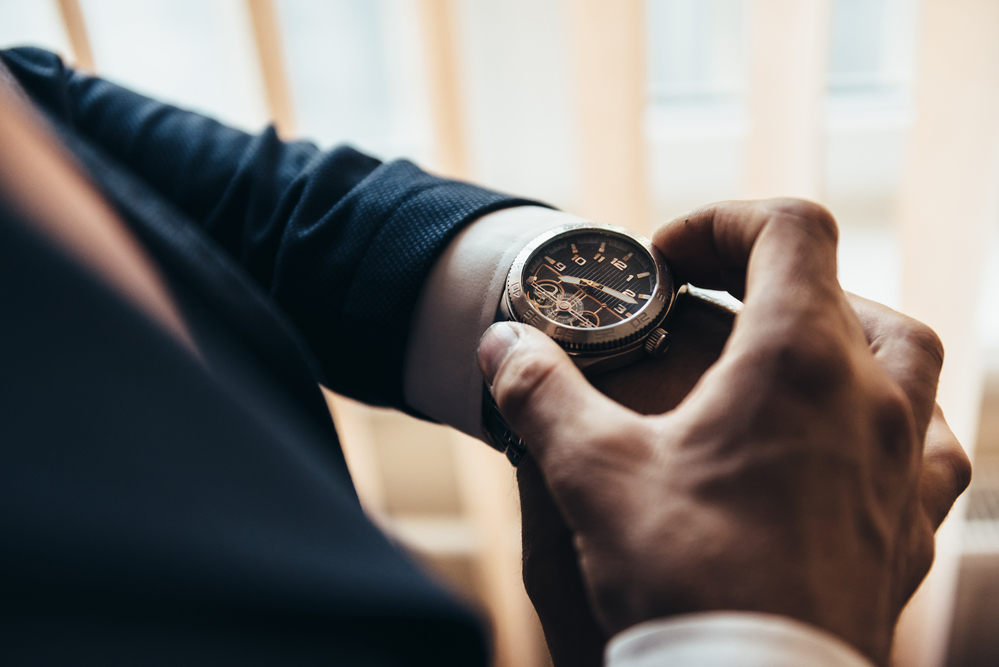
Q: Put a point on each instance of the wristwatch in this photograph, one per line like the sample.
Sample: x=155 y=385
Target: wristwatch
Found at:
x=600 y=291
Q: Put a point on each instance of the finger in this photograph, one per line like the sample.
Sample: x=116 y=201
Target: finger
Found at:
x=552 y=575
x=796 y=326
x=711 y=246
x=783 y=249
x=544 y=397
x=946 y=470
x=908 y=350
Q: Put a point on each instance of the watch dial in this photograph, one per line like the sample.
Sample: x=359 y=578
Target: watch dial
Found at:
x=590 y=279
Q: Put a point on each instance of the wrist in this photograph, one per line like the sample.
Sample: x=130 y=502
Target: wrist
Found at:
x=456 y=305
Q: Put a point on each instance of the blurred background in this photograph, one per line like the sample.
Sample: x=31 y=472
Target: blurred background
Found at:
x=628 y=111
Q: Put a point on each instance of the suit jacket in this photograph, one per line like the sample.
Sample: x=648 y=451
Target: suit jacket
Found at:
x=158 y=509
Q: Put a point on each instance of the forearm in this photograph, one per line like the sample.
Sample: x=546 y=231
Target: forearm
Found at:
x=342 y=242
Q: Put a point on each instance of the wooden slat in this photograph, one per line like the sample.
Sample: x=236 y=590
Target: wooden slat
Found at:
x=267 y=34
x=76 y=31
x=607 y=40
x=436 y=536
x=353 y=425
x=438 y=22
x=947 y=207
x=489 y=494
x=785 y=148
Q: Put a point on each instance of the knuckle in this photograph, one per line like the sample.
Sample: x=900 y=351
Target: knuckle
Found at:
x=958 y=466
x=813 y=362
x=894 y=407
x=925 y=340
x=811 y=215
x=895 y=419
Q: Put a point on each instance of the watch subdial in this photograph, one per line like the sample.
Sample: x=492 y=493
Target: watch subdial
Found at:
x=556 y=305
x=546 y=294
x=587 y=319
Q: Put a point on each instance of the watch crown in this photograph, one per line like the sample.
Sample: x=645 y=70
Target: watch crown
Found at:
x=657 y=343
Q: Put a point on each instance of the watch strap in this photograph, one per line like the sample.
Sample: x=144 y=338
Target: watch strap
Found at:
x=499 y=435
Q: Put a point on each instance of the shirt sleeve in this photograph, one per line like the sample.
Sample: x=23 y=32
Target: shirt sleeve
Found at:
x=342 y=242
x=458 y=302
x=729 y=639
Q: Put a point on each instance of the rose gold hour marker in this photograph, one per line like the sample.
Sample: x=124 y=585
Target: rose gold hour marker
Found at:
x=627 y=257
x=574 y=251
x=644 y=296
x=550 y=260
x=602 y=246
x=642 y=275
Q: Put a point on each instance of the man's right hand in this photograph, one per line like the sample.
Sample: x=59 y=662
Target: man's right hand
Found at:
x=792 y=480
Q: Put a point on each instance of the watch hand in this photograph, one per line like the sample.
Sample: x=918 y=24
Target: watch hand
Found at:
x=617 y=295
x=603 y=288
x=572 y=280
x=580 y=281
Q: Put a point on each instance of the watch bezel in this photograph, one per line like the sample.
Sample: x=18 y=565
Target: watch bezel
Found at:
x=596 y=339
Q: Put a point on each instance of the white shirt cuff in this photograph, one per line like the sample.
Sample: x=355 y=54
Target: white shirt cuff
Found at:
x=729 y=639
x=457 y=304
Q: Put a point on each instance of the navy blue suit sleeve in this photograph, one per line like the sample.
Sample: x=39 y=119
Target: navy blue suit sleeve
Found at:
x=341 y=241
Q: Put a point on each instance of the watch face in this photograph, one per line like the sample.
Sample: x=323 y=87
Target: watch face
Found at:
x=590 y=278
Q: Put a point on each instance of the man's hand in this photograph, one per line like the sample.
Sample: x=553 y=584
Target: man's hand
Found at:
x=551 y=565
x=792 y=479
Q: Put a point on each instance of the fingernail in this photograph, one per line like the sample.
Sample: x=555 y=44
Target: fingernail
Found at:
x=494 y=346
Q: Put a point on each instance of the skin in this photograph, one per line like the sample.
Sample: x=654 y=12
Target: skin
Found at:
x=797 y=457
x=804 y=473
x=552 y=578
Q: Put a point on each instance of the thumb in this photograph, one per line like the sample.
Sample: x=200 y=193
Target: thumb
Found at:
x=544 y=397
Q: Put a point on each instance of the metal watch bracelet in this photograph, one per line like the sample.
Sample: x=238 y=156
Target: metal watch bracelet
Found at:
x=499 y=435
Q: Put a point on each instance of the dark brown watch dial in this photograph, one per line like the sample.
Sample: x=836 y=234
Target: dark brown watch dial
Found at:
x=590 y=279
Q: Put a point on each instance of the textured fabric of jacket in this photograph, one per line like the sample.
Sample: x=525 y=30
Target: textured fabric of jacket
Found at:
x=158 y=509
x=341 y=242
